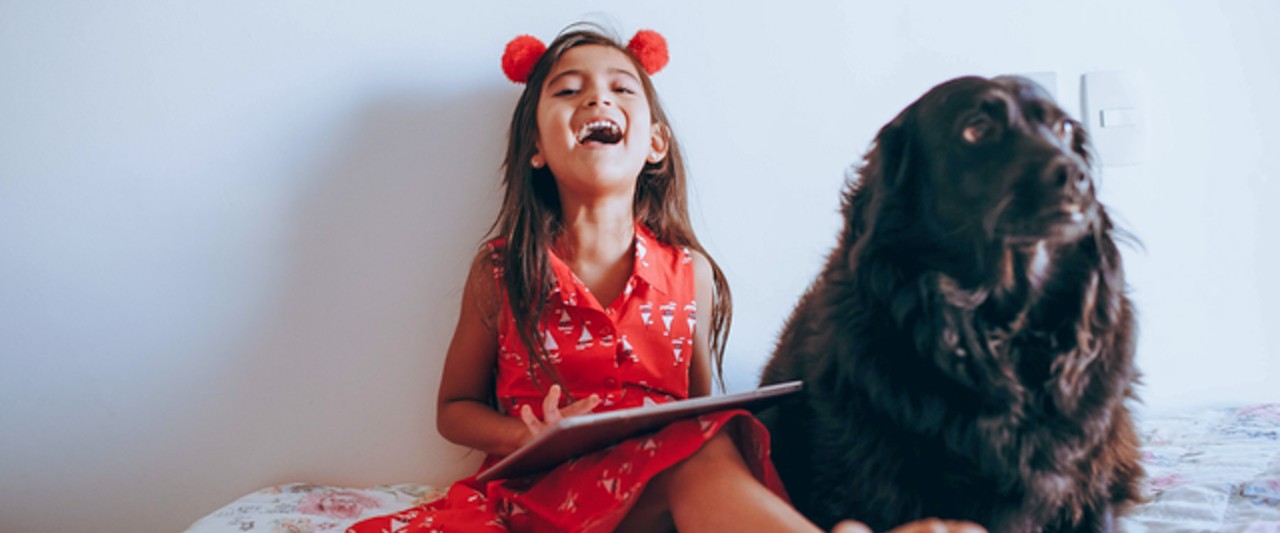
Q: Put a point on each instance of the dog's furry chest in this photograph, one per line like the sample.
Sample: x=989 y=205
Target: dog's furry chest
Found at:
x=905 y=436
x=888 y=473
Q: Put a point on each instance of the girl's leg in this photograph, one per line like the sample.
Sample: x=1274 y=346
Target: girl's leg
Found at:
x=712 y=490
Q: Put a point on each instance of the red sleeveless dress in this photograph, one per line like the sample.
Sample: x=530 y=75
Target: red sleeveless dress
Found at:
x=636 y=348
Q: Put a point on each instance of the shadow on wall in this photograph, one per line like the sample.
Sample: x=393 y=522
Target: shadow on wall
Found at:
x=1268 y=188
x=339 y=387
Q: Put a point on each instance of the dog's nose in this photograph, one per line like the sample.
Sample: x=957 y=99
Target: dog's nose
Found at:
x=1064 y=173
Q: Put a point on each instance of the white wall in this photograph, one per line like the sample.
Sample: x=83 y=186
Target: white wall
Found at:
x=232 y=234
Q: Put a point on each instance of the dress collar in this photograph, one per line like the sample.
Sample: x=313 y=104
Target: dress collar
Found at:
x=653 y=263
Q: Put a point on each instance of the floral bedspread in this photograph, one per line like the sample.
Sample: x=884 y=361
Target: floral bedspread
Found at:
x=1207 y=470
x=1211 y=470
x=307 y=508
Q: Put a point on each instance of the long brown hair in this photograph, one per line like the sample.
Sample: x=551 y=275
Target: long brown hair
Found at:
x=530 y=217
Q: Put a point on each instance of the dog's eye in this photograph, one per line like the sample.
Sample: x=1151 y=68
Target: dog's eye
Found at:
x=1065 y=128
x=979 y=129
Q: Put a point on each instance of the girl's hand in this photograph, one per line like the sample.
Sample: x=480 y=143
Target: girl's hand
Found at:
x=552 y=413
x=931 y=525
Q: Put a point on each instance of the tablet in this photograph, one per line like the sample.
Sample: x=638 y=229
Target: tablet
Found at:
x=578 y=435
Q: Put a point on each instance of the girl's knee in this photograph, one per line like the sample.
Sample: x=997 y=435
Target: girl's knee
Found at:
x=717 y=457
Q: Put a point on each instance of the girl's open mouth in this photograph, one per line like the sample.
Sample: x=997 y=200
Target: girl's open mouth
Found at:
x=602 y=131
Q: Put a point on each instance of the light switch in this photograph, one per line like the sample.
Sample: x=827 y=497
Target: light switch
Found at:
x=1114 y=111
x=1119 y=118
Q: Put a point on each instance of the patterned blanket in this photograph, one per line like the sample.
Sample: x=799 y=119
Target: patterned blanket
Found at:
x=1207 y=470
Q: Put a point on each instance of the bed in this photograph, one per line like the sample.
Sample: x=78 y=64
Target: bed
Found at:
x=1207 y=470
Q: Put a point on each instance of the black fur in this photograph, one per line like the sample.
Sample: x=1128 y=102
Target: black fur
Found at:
x=968 y=348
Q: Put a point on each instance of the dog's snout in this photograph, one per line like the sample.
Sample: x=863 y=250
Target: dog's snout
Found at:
x=1064 y=173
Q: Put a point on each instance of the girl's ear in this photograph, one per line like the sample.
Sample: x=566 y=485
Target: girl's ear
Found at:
x=658 y=140
x=536 y=159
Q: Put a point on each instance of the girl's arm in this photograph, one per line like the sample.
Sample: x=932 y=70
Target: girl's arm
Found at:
x=700 y=366
x=464 y=414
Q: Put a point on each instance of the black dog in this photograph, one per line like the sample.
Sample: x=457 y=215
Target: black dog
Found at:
x=968 y=348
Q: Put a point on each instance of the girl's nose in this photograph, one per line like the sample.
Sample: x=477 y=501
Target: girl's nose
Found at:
x=599 y=98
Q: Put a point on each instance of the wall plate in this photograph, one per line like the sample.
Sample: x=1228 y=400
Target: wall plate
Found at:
x=1114 y=112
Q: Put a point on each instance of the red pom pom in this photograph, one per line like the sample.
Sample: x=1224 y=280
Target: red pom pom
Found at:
x=650 y=49
x=521 y=55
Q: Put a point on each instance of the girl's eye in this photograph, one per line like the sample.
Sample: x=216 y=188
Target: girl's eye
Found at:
x=624 y=89
x=565 y=92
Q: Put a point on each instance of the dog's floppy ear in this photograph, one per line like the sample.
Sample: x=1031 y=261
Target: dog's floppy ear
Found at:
x=893 y=151
x=1103 y=311
x=882 y=168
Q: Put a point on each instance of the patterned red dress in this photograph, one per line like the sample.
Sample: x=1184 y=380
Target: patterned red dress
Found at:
x=636 y=348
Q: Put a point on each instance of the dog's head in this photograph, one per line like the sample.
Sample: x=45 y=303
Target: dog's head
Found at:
x=980 y=196
x=976 y=165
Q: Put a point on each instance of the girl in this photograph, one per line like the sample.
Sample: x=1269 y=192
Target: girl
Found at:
x=595 y=295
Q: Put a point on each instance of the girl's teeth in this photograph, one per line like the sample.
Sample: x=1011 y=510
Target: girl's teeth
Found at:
x=591 y=127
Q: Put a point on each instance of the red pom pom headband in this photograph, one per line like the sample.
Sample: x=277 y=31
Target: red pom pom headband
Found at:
x=523 y=52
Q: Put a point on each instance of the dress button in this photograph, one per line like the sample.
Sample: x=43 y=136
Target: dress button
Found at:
x=610 y=382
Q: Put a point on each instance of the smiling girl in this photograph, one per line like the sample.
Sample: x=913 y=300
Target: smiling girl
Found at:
x=594 y=294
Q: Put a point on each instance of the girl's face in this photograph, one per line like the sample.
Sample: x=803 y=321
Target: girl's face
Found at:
x=594 y=126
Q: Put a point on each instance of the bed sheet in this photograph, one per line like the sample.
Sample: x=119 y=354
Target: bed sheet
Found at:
x=1210 y=470
x=308 y=508
x=1207 y=470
